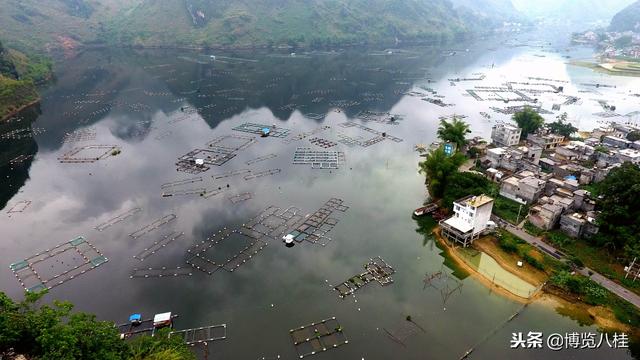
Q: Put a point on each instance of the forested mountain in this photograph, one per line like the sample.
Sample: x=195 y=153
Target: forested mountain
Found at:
x=18 y=75
x=628 y=19
x=65 y=23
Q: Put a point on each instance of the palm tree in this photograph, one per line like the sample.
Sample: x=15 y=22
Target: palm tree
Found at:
x=454 y=131
x=437 y=167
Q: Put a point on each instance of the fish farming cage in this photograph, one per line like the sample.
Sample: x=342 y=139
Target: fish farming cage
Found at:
x=257 y=129
x=378 y=136
x=231 y=143
x=201 y=160
x=19 y=207
x=227 y=250
x=379 y=117
x=202 y=334
x=158 y=245
x=305 y=135
x=323 y=143
x=272 y=223
x=318 y=159
x=153 y=226
x=380 y=270
x=117 y=219
x=318 y=337
x=317 y=225
x=375 y=270
x=57 y=265
x=89 y=154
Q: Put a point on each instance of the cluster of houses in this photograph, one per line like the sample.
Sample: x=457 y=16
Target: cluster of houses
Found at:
x=607 y=42
x=549 y=174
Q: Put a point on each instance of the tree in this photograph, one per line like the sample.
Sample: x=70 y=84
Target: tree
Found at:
x=454 y=131
x=55 y=332
x=562 y=127
x=461 y=184
x=438 y=167
x=633 y=136
x=619 y=202
x=528 y=120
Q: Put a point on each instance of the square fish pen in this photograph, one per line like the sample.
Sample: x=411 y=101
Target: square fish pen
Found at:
x=360 y=140
x=47 y=269
x=226 y=250
x=89 y=154
x=201 y=334
x=318 y=337
x=231 y=143
x=254 y=128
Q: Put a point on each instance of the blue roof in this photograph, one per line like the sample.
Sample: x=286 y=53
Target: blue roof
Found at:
x=570 y=177
x=134 y=317
x=266 y=130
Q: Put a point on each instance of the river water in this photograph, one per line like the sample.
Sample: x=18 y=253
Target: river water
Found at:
x=143 y=101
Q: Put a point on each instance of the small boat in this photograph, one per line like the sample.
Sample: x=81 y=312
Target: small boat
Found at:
x=420 y=211
x=427 y=209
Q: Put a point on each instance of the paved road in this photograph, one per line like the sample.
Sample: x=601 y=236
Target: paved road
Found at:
x=610 y=285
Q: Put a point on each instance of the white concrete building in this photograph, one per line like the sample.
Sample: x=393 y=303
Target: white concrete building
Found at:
x=470 y=219
x=505 y=135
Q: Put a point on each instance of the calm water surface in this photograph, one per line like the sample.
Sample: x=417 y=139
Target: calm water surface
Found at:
x=280 y=288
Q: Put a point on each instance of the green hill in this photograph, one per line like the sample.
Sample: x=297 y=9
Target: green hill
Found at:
x=628 y=19
x=240 y=23
x=18 y=76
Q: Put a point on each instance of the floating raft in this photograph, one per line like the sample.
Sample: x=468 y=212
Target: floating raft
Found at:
x=181 y=182
x=262 y=173
x=47 y=270
x=318 y=337
x=231 y=174
x=261 y=158
x=154 y=225
x=118 y=218
x=160 y=272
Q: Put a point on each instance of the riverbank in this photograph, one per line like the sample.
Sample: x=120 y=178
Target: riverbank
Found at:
x=12 y=113
x=561 y=301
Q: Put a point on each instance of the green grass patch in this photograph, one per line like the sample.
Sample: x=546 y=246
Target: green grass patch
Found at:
x=508 y=209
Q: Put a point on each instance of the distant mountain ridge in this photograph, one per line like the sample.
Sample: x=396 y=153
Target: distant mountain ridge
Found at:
x=628 y=19
x=572 y=10
x=244 y=23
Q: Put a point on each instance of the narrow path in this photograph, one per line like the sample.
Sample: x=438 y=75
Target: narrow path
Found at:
x=605 y=282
